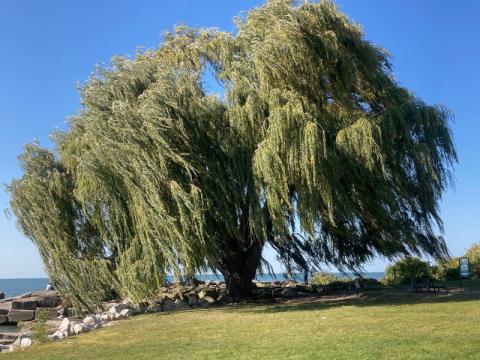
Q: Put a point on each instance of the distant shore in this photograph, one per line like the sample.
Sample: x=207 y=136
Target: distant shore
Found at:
x=14 y=287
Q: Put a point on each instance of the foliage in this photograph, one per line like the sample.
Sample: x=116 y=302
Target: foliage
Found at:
x=323 y=278
x=313 y=148
x=473 y=254
x=39 y=330
x=405 y=270
x=446 y=269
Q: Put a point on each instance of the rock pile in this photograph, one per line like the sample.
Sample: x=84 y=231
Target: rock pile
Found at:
x=28 y=306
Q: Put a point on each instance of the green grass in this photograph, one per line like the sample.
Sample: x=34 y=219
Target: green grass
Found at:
x=388 y=324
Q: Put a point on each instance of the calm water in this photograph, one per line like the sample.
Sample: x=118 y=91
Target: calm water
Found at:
x=13 y=287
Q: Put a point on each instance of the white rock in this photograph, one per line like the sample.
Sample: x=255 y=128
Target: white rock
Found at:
x=53 y=337
x=126 y=312
x=106 y=317
x=22 y=341
x=77 y=329
x=66 y=326
x=59 y=335
x=90 y=322
x=116 y=309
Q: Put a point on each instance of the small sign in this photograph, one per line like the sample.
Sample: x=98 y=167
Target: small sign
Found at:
x=464 y=267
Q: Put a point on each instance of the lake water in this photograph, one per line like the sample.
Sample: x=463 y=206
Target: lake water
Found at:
x=13 y=287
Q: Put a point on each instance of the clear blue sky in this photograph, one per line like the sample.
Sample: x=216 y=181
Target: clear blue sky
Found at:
x=47 y=46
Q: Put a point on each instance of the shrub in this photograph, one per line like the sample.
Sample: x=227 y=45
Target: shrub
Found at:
x=406 y=270
x=323 y=278
x=446 y=270
x=473 y=254
x=39 y=329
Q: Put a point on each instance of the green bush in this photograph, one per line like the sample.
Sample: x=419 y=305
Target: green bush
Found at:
x=405 y=270
x=446 y=270
x=323 y=278
x=39 y=330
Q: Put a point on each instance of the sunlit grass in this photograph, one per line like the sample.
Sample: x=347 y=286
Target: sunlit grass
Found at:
x=388 y=325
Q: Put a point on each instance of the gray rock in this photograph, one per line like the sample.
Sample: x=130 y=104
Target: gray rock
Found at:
x=141 y=308
x=2 y=295
x=9 y=336
x=5 y=308
x=52 y=313
x=192 y=299
x=91 y=322
x=116 y=309
x=5 y=348
x=288 y=291
x=47 y=298
x=3 y=319
x=25 y=295
x=25 y=304
x=206 y=301
x=6 y=341
x=16 y=315
x=209 y=291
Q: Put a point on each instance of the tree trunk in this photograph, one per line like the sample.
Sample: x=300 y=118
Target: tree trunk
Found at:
x=239 y=269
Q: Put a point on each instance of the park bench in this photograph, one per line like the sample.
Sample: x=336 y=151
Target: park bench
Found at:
x=427 y=287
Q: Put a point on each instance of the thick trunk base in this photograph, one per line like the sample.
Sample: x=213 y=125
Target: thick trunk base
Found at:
x=239 y=269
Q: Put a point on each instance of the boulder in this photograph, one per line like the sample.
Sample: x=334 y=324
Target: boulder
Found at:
x=126 y=312
x=91 y=322
x=5 y=348
x=192 y=299
x=77 y=329
x=290 y=284
x=25 y=304
x=66 y=327
x=25 y=295
x=141 y=308
x=2 y=295
x=58 y=335
x=209 y=291
x=49 y=301
x=52 y=313
x=117 y=308
x=261 y=284
x=15 y=315
x=206 y=301
x=277 y=291
x=5 y=308
x=3 y=319
x=105 y=317
x=168 y=305
x=23 y=341
x=288 y=292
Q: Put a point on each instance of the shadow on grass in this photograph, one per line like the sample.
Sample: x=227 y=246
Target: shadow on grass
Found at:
x=391 y=297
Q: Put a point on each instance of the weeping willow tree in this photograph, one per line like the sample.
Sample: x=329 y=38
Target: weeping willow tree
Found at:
x=312 y=147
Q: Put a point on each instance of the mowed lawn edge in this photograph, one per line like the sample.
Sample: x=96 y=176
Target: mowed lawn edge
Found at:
x=381 y=324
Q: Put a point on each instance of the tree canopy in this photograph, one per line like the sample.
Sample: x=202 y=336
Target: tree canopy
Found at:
x=312 y=147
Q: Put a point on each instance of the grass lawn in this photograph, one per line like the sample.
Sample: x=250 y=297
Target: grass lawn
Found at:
x=383 y=324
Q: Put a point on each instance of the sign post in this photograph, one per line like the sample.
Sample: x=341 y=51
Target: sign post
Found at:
x=464 y=269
